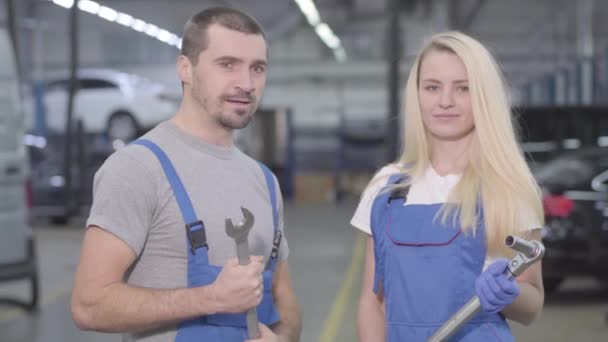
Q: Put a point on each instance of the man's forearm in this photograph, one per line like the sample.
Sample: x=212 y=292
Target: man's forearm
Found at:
x=123 y=308
x=527 y=306
x=290 y=326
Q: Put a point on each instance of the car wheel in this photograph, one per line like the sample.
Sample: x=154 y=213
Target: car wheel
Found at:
x=33 y=305
x=551 y=285
x=122 y=126
x=59 y=220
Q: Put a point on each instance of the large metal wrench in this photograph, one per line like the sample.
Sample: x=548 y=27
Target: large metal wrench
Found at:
x=529 y=253
x=239 y=233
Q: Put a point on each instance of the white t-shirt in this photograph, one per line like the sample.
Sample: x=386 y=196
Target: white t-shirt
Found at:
x=431 y=188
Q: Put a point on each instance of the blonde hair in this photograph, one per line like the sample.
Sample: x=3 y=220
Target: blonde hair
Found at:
x=497 y=177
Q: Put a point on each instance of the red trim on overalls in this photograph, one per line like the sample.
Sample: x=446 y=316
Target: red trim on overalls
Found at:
x=398 y=243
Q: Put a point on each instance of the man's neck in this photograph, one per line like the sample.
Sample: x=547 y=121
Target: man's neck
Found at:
x=193 y=120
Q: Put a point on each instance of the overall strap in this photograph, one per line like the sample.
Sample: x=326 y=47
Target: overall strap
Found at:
x=399 y=193
x=276 y=241
x=195 y=229
x=383 y=200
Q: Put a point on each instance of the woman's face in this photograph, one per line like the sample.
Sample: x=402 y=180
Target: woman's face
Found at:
x=443 y=92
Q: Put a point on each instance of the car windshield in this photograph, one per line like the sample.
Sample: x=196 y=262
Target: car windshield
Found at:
x=572 y=169
x=142 y=83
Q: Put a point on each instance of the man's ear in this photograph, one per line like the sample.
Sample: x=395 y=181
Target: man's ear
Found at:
x=184 y=69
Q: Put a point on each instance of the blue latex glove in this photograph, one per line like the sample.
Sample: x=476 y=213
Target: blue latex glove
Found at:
x=494 y=289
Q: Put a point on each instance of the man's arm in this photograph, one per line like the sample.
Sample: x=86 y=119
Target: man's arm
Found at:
x=290 y=326
x=370 y=316
x=101 y=300
x=529 y=304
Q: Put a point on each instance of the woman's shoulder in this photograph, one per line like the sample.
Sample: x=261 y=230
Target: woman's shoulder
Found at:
x=381 y=179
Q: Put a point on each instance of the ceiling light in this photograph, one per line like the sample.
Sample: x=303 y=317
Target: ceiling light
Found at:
x=124 y=19
x=107 y=13
x=64 y=3
x=139 y=25
x=88 y=6
x=151 y=30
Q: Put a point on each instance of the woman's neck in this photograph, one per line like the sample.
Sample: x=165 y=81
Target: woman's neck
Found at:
x=450 y=156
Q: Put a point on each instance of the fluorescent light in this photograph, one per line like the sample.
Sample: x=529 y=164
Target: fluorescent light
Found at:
x=64 y=3
x=340 y=54
x=88 y=6
x=107 y=13
x=327 y=35
x=139 y=25
x=602 y=141
x=124 y=19
x=310 y=11
x=163 y=36
x=173 y=40
x=151 y=30
x=57 y=181
x=571 y=143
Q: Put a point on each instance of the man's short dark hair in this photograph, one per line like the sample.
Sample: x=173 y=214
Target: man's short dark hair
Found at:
x=195 y=38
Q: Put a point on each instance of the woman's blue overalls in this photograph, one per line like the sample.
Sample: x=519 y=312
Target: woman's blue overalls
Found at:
x=217 y=327
x=427 y=270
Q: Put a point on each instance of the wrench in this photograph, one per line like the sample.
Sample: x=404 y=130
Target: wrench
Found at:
x=529 y=253
x=239 y=233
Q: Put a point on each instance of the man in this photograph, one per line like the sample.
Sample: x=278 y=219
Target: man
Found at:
x=141 y=272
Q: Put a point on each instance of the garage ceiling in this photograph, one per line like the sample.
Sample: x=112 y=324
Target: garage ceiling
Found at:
x=528 y=37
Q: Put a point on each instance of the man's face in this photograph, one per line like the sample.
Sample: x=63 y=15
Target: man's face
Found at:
x=230 y=75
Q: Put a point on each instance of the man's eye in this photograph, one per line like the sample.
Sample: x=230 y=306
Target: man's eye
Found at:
x=227 y=65
x=431 y=87
x=259 y=69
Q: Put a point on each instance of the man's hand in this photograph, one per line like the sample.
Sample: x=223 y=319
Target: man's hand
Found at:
x=266 y=335
x=239 y=288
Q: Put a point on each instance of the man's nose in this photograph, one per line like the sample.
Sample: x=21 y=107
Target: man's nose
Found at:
x=245 y=81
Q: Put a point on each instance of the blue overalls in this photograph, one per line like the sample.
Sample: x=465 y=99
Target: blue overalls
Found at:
x=427 y=271
x=217 y=327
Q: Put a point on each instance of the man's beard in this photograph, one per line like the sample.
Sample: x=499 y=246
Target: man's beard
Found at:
x=243 y=116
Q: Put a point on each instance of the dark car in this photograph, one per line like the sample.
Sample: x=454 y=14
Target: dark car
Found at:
x=49 y=197
x=575 y=198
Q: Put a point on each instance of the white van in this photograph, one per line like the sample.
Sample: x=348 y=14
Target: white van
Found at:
x=17 y=249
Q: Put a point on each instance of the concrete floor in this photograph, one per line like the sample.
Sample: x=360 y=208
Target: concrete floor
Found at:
x=326 y=263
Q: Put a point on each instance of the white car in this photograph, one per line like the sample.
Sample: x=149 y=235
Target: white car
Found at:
x=17 y=246
x=110 y=102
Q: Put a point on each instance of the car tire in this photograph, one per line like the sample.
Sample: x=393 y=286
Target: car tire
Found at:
x=551 y=285
x=122 y=126
x=59 y=220
x=33 y=305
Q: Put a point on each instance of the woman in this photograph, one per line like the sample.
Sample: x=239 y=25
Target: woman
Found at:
x=439 y=216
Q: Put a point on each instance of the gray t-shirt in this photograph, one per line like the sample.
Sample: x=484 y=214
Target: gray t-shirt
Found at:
x=133 y=200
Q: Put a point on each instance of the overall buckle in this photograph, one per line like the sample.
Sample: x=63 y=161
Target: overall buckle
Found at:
x=275 y=244
x=198 y=237
x=399 y=193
